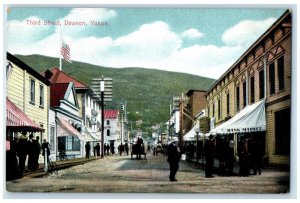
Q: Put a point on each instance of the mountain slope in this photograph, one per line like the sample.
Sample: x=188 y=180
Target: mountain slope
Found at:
x=148 y=92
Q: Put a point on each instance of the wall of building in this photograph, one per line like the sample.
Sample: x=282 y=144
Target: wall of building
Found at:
x=18 y=91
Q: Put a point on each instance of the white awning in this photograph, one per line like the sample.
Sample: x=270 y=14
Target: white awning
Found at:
x=191 y=135
x=251 y=119
x=90 y=135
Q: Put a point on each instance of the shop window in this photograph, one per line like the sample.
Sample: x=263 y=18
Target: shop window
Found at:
x=272 y=78
x=282 y=131
x=280 y=73
x=69 y=143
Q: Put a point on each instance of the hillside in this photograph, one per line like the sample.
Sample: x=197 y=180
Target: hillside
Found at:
x=147 y=91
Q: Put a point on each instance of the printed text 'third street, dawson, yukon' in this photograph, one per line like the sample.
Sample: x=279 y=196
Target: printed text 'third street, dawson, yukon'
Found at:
x=33 y=22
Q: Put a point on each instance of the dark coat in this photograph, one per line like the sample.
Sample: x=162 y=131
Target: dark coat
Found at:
x=173 y=154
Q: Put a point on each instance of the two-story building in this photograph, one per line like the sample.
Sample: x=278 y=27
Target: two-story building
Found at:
x=112 y=128
x=28 y=91
x=253 y=97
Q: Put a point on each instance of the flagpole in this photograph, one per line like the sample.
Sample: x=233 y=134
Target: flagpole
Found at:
x=60 y=41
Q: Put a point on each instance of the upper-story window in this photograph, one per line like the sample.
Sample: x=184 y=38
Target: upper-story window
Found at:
x=261 y=84
x=272 y=78
x=280 y=73
x=108 y=122
x=237 y=92
x=41 y=95
x=244 y=94
x=219 y=109
x=32 y=91
x=252 y=89
x=228 y=103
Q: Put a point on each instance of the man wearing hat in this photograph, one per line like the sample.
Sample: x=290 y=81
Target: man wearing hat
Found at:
x=209 y=156
x=173 y=159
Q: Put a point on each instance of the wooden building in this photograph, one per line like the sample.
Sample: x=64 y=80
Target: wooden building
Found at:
x=263 y=72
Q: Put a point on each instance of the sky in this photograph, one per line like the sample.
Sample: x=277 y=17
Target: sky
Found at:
x=198 y=41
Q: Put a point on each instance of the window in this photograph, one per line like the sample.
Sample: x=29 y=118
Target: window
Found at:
x=261 y=84
x=52 y=137
x=272 y=78
x=108 y=122
x=219 y=109
x=41 y=96
x=280 y=71
x=282 y=131
x=208 y=110
x=108 y=132
x=32 y=91
x=244 y=94
x=228 y=103
x=72 y=143
x=252 y=89
x=213 y=109
x=237 y=98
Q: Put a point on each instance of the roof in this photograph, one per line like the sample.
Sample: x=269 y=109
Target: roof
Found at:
x=111 y=114
x=62 y=77
x=280 y=19
x=57 y=93
x=17 y=120
x=26 y=67
x=190 y=92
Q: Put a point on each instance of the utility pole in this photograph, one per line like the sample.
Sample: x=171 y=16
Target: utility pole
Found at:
x=181 y=120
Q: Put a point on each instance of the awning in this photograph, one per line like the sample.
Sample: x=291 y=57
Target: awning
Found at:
x=91 y=136
x=17 y=120
x=191 y=135
x=66 y=129
x=250 y=119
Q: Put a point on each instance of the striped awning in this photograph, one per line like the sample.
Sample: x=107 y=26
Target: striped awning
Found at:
x=17 y=120
x=66 y=129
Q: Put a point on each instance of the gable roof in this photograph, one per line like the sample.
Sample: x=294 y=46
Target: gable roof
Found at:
x=57 y=93
x=26 y=67
x=111 y=113
x=62 y=77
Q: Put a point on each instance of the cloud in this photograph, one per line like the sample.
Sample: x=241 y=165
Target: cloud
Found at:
x=152 y=45
x=246 y=32
x=192 y=34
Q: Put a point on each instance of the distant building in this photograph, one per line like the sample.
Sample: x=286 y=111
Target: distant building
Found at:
x=112 y=128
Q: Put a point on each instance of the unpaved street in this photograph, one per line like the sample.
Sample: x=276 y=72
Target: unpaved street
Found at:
x=115 y=174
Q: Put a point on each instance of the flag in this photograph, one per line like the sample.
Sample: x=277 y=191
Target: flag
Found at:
x=65 y=51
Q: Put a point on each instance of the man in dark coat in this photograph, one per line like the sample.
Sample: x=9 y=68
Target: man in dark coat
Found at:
x=36 y=152
x=46 y=146
x=87 y=150
x=97 y=149
x=22 y=152
x=173 y=159
x=30 y=147
x=209 y=156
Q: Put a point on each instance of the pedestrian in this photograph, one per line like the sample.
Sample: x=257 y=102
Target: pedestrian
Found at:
x=243 y=157
x=97 y=150
x=22 y=151
x=230 y=157
x=257 y=154
x=105 y=148
x=87 y=150
x=173 y=159
x=46 y=147
x=31 y=153
x=36 y=152
x=126 y=148
x=209 y=156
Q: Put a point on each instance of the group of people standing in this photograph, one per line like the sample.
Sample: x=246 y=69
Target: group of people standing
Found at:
x=24 y=149
x=123 y=148
x=250 y=154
